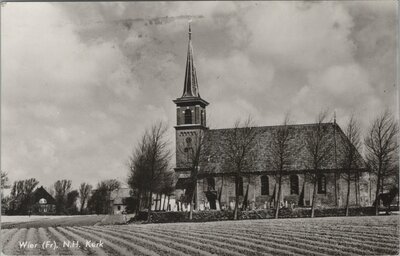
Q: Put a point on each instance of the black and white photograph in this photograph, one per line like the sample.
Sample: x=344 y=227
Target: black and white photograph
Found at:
x=200 y=128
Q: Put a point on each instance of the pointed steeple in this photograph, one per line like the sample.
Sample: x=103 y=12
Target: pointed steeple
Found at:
x=191 y=88
x=191 y=95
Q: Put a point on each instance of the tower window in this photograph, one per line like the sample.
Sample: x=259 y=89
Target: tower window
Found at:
x=188 y=116
x=264 y=185
x=202 y=118
x=321 y=184
x=294 y=185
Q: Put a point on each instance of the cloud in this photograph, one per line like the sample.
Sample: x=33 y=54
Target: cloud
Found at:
x=82 y=81
x=295 y=34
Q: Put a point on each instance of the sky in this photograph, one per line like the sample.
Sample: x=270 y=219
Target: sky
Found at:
x=81 y=82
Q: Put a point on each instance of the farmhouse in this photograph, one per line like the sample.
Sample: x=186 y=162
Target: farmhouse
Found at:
x=118 y=200
x=215 y=184
x=43 y=202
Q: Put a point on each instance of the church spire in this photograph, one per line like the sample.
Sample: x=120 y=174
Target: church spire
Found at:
x=191 y=88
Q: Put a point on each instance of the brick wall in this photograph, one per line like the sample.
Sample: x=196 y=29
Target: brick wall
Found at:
x=262 y=201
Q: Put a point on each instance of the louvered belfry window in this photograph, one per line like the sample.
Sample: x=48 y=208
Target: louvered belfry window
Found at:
x=188 y=116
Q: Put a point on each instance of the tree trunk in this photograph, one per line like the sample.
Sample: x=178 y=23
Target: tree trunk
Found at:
x=156 y=203
x=356 y=188
x=191 y=202
x=168 y=209
x=348 y=194
x=279 y=197
x=377 y=201
x=220 y=191
x=191 y=207
x=149 y=205
x=336 y=190
x=138 y=203
x=161 y=203
x=235 y=212
x=245 y=199
x=314 y=196
x=165 y=200
x=82 y=205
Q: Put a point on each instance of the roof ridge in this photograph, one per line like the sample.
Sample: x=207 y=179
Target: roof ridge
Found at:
x=271 y=126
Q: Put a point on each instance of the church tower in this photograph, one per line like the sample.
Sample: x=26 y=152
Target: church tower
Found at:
x=190 y=112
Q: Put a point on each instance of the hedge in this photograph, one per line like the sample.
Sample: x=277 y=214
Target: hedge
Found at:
x=214 y=215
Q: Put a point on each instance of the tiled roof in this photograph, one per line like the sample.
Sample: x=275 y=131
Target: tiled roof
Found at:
x=120 y=193
x=300 y=158
x=42 y=193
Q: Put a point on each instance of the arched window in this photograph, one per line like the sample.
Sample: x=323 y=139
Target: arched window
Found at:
x=240 y=187
x=188 y=116
x=294 y=184
x=321 y=184
x=264 y=185
x=211 y=183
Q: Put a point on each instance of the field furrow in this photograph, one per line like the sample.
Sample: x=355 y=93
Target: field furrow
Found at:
x=330 y=238
x=62 y=244
x=233 y=248
x=278 y=241
x=12 y=246
x=166 y=241
x=162 y=249
x=266 y=243
x=320 y=236
x=245 y=244
x=195 y=244
x=339 y=245
x=120 y=246
x=43 y=236
x=88 y=250
x=6 y=236
x=32 y=236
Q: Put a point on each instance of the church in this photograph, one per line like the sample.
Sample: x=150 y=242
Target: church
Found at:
x=215 y=188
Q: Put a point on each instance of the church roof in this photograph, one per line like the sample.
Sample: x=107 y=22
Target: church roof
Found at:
x=213 y=161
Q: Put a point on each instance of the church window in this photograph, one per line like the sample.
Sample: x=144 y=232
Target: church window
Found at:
x=240 y=186
x=294 y=184
x=321 y=184
x=264 y=185
x=211 y=183
x=188 y=116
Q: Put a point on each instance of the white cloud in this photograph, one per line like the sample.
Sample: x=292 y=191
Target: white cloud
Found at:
x=82 y=81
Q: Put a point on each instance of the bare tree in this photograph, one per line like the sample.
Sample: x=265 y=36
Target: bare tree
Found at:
x=4 y=180
x=194 y=149
x=84 y=193
x=381 y=147
x=280 y=156
x=72 y=197
x=139 y=174
x=149 y=162
x=61 y=188
x=350 y=148
x=21 y=194
x=158 y=158
x=241 y=150
x=319 y=150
